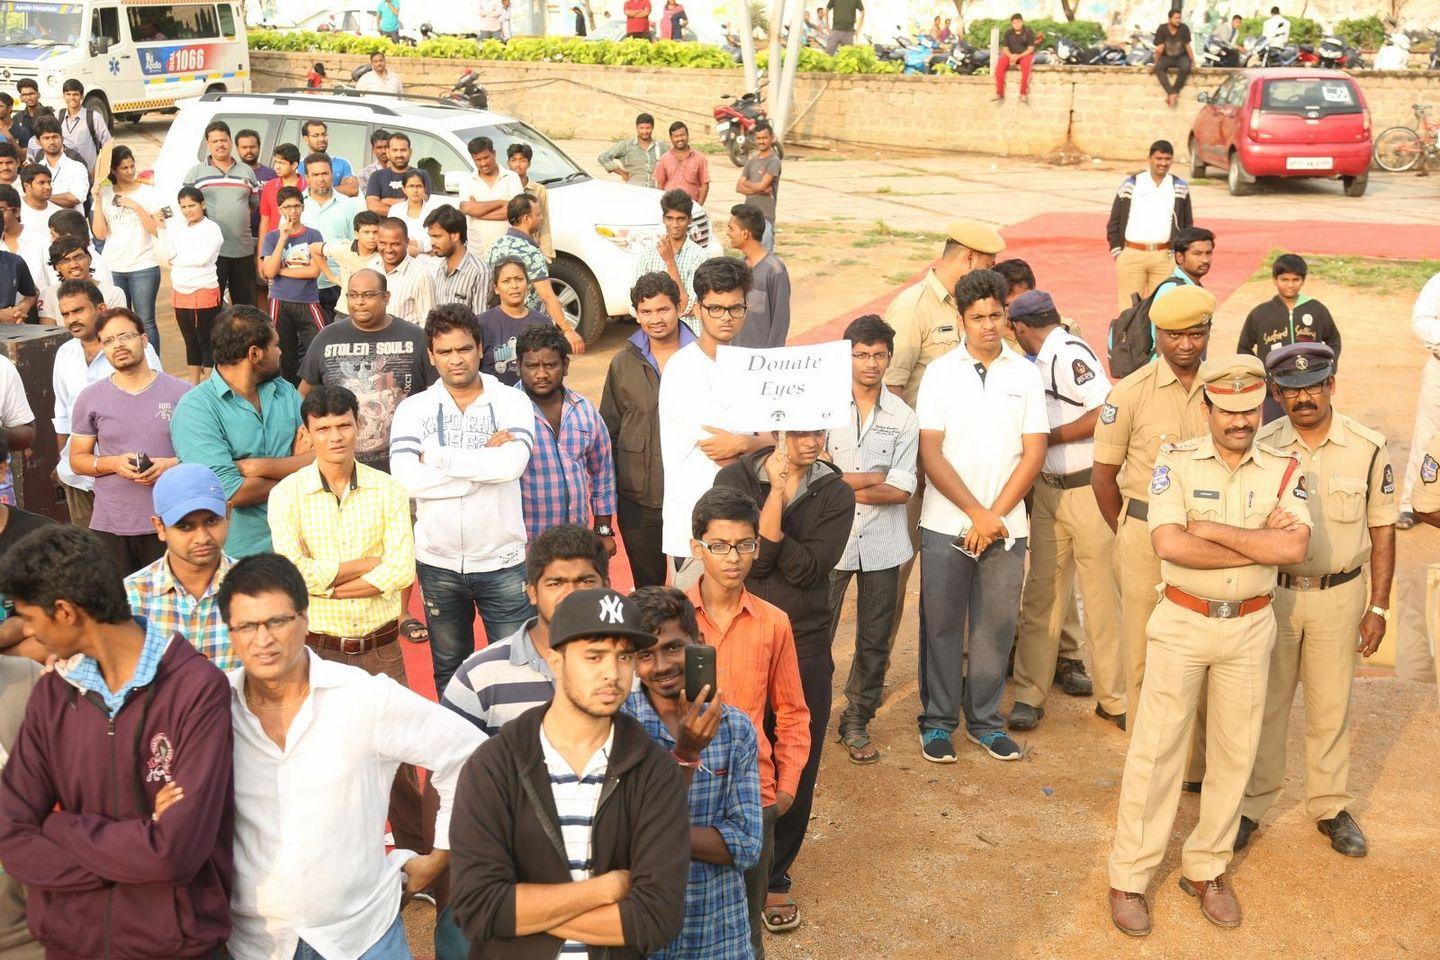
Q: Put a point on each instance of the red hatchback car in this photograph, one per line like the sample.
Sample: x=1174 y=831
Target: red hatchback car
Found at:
x=1284 y=123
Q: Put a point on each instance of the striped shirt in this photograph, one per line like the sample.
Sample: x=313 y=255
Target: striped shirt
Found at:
x=884 y=442
x=576 y=798
x=84 y=673
x=468 y=283
x=411 y=286
x=229 y=198
x=499 y=683
x=570 y=477
x=156 y=595
x=690 y=256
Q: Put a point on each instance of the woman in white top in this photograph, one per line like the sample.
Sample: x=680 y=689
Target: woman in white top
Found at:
x=417 y=206
x=123 y=217
x=192 y=245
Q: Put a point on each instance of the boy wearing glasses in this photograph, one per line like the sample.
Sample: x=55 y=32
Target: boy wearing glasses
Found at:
x=292 y=255
x=876 y=450
x=755 y=665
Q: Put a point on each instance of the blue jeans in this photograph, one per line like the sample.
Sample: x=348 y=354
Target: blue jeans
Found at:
x=391 y=946
x=451 y=601
x=141 y=288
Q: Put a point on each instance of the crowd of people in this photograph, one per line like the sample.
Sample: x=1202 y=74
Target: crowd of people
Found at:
x=249 y=545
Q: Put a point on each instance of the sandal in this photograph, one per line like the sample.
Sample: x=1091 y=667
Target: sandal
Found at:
x=414 y=630
x=775 y=915
x=857 y=744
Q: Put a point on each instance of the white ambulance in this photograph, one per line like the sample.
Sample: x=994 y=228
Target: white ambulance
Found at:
x=133 y=56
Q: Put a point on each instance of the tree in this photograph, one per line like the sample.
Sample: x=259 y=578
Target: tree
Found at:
x=1071 y=7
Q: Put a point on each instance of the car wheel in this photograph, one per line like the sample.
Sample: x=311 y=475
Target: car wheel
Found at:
x=1197 y=165
x=579 y=295
x=99 y=105
x=1355 y=186
x=1235 y=177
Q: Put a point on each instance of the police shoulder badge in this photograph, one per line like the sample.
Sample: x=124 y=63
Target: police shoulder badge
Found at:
x=1387 y=480
x=1300 y=492
x=1082 y=371
x=1108 y=413
x=1160 y=480
x=1429 y=469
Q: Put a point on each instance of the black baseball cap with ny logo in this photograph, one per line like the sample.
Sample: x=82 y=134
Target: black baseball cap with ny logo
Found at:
x=599 y=612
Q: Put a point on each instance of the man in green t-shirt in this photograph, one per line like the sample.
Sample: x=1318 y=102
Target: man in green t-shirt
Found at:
x=847 y=19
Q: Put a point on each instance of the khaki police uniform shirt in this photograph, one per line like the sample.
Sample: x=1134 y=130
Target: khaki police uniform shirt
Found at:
x=927 y=326
x=1351 y=486
x=1426 y=496
x=1191 y=482
x=1145 y=410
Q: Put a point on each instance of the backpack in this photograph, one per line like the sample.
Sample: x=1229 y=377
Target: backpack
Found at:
x=1132 y=336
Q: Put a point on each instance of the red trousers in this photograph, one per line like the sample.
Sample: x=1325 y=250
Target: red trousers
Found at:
x=1003 y=67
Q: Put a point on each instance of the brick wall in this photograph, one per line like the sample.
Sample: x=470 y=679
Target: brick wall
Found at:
x=1103 y=112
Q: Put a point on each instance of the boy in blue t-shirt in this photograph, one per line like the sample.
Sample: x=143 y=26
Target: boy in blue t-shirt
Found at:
x=292 y=262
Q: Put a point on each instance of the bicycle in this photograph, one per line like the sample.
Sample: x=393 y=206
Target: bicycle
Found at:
x=1398 y=149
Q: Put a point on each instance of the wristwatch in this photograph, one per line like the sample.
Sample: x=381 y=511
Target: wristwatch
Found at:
x=605 y=530
x=1380 y=612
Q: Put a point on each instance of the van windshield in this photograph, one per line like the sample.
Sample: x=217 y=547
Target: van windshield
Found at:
x=39 y=24
x=1312 y=97
x=550 y=165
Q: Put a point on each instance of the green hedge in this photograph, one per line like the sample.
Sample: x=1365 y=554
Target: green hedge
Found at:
x=1368 y=33
x=1085 y=33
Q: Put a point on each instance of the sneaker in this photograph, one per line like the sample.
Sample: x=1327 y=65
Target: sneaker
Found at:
x=997 y=745
x=936 y=746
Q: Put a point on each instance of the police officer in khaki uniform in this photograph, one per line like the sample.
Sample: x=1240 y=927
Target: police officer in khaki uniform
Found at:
x=1322 y=605
x=1157 y=404
x=926 y=322
x=1066 y=529
x=1225 y=511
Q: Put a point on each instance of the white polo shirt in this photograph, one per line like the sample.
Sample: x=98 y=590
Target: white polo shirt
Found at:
x=479 y=233
x=689 y=401
x=983 y=420
x=1075 y=383
x=1152 y=207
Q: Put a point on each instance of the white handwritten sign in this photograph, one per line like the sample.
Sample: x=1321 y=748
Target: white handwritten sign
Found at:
x=785 y=388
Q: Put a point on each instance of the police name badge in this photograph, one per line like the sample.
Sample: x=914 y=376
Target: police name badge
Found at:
x=1108 y=413
x=1160 y=480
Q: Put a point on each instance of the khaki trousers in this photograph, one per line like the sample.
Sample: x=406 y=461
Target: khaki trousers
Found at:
x=1186 y=650
x=1315 y=636
x=81 y=504
x=1427 y=421
x=1140 y=271
x=1137 y=573
x=1068 y=533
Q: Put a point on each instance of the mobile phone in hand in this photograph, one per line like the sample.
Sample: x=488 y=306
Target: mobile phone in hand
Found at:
x=699 y=670
x=143 y=463
x=959 y=544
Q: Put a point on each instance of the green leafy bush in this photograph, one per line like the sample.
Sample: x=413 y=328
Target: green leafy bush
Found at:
x=1085 y=33
x=1368 y=32
x=1302 y=29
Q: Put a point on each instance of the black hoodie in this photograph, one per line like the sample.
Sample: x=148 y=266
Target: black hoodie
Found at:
x=794 y=574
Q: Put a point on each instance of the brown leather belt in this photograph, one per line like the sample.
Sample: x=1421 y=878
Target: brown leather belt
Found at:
x=357 y=646
x=1146 y=246
x=1291 y=582
x=1218 y=609
x=1139 y=509
x=1067 y=481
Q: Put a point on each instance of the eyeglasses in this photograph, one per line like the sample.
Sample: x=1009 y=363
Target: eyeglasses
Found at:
x=364 y=294
x=722 y=548
x=1293 y=393
x=715 y=311
x=272 y=625
x=79 y=256
x=879 y=356
x=119 y=338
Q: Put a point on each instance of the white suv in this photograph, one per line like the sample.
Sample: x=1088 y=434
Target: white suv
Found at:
x=597 y=225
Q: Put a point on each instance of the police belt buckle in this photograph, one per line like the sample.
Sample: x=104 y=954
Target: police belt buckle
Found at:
x=1305 y=583
x=1223 y=609
x=358 y=646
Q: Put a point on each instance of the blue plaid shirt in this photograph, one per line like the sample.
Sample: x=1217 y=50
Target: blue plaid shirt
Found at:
x=84 y=673
x=725 y=794
x=570 y=478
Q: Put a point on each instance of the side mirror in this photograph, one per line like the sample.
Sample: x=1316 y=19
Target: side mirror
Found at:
x=454 y=181
x=1203 y=97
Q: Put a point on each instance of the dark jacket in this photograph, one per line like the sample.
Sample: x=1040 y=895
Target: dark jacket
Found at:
x=1182 y=217
x=105 y=880
x=794 y=574
x=504 y=830
x=1272 y=324
x=630 y=407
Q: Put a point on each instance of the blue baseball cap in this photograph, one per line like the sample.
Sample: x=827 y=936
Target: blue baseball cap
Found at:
x=185 y=488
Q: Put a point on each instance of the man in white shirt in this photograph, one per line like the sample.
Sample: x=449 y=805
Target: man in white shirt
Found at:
x=1276 y=29
x=693 y=446
x=70 y=259
x=36 y=187
x=411 y=285
x=1066 y=526
x=69 y=180
x=17 y=424
x=380 y=79
x=983 y=431
x=485 y=195
x=78 y=363
x=317 y=745
x=459 y=449
x=1149 y=211
x=1425 y=321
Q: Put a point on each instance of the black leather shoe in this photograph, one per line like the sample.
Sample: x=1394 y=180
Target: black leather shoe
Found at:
x=1024 y=717
x=1191 y=786
x=1116 y=718
x=1073 y=679
x=1344 y=833
x=1247 y=827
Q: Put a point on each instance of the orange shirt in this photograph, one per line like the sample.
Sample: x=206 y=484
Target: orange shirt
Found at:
x=755 y=666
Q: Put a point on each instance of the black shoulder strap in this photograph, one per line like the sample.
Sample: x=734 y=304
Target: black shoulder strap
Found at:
x=1050 y=391
x=1369 y=487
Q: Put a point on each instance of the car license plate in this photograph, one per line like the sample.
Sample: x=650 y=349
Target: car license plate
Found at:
x=1309 y=163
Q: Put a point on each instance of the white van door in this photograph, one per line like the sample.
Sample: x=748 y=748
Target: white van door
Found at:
x=183 y=50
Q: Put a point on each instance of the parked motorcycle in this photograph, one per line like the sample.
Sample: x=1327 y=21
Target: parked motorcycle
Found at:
x=965 y=59
x=922 y=55
x=1261 y=53
x=468 y=92
x=1219 y=53
x=735 y=123
x=1142 y=50
x=1331 y=53
x=1074 y=55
